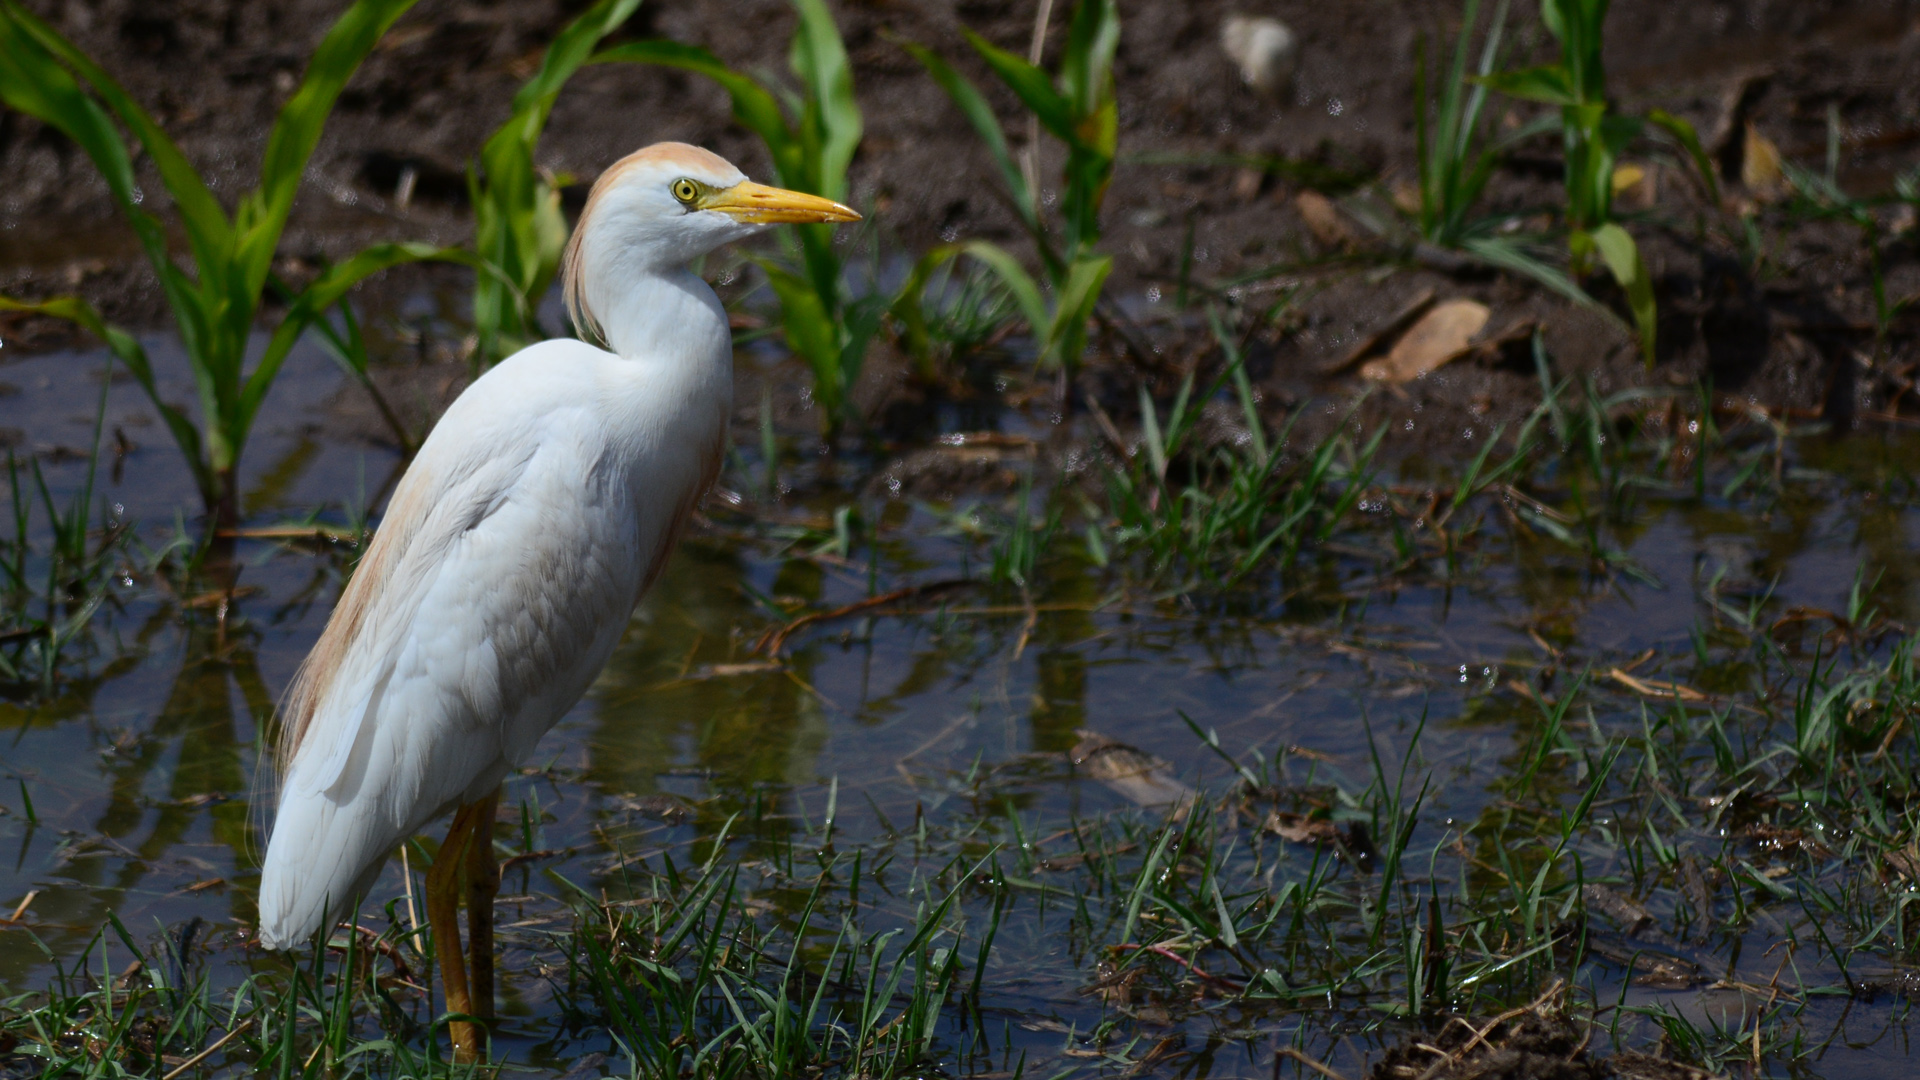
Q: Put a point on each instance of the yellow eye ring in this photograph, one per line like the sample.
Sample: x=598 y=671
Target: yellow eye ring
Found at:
x=686 y=191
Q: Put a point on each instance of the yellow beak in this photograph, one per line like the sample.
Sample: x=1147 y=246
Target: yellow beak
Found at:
x=758 y=204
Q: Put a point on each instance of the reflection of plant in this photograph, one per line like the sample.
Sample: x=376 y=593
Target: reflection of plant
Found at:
x=232 y=255
x=518 y=227
x=1075 y=104
x=812 y=141
x=1593 y=135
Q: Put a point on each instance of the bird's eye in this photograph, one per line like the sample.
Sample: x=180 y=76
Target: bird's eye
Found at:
x=686 y=190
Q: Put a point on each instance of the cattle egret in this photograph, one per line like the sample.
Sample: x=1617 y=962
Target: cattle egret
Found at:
x=511 y=557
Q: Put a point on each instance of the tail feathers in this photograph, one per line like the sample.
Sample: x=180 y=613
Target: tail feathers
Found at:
x=322 y=858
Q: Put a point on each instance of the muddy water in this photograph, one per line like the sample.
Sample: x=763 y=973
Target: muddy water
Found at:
x=140 y=769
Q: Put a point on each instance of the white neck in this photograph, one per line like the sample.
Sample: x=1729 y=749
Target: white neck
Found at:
x=662 y=315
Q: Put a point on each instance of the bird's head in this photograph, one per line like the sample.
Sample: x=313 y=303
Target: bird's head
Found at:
x=665 y=205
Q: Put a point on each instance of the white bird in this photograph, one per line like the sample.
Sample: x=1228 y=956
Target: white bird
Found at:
x=510 y=558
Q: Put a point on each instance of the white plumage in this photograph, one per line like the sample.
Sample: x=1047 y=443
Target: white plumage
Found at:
x=512 y=553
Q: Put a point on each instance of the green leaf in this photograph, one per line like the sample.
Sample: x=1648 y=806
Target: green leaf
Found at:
x=1029 y=84
x=1086 y=66
x=1026 y=292
x=33 y=82
x=810 y=332
x=1689 y=140
x=1067 y=337
x=908 y=308
x=1622 y=257
x=831 y=117
x=1549 y=84
x=861 y=320
x=979 y=114
x=1509 y=254
x=208 y=231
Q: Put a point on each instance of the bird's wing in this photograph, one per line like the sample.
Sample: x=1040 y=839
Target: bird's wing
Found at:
x=493 y=593
x=485 y=605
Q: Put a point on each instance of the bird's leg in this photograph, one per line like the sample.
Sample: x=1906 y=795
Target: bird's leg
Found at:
x=483 y=884
x=445 y=882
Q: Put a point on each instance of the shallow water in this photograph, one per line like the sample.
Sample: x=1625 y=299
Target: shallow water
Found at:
x=140 y=769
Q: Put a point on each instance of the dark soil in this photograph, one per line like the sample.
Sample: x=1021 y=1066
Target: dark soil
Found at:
x=1781 y=317
x=1534 y=1045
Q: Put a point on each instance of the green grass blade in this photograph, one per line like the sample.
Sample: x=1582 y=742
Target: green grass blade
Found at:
x=832 y=118
x=1086 y=66
x=1030 y=85
x=1067 y=335
x=1689 y=140
x=1549 y=84
x=908 y=310
x=810 y=332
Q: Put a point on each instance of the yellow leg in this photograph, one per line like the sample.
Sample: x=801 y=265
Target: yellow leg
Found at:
x=445 y=882
x=483 y=884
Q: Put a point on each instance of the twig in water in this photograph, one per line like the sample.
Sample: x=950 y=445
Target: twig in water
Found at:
x=771 y=642
x=22 y=909
x=1162 y=950
x=209 y=1051
x=1323 y=1070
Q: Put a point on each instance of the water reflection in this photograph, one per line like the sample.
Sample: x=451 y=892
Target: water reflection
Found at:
x=141 y=767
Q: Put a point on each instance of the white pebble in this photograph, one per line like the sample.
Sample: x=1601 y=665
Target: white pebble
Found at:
x=1265 y=48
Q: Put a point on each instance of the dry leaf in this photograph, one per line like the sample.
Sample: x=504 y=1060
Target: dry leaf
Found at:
x=1636 y=185
x=1441 y=335
x=1323 y=219
x=1300 y=828
x=1905 y=862
x=1141 y=777
x=1406 y=198
x=1655 y=688
x=1247 y=183
x=1760 y=165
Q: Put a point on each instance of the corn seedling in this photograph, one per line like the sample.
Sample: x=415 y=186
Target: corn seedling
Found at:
x=1593 y=134
x=518 y=226
x=811 y=138
x=43 y=75
x=1076 y=105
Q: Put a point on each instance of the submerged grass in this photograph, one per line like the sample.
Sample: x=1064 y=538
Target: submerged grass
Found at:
x=53 y=588
x=1646 y=840
x=1738 y=821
